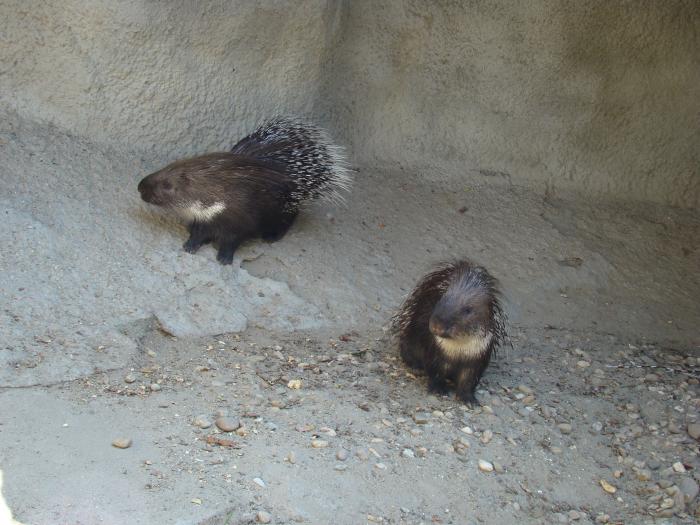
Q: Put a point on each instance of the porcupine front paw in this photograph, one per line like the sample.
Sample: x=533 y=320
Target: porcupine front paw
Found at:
x=438 y=387
x=469 y=399
x=191 y=246
x=199 y=236
x=225 y=256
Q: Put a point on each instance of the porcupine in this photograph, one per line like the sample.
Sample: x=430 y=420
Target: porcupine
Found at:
x=255 y=190
x=450 y=325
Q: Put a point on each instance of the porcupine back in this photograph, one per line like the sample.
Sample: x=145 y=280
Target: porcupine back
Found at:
x=315 y=165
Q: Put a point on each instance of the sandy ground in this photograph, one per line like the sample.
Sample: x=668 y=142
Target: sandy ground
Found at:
x=100 y=304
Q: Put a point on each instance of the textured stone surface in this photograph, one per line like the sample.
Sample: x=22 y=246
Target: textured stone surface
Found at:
x=175 y=77
x=596 y=96
x=87 y=266
x=84 y=260
x=438 y=101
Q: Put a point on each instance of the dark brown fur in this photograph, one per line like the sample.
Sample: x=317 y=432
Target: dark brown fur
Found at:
x=254 y=195
x=453 y=301
x=255 y=190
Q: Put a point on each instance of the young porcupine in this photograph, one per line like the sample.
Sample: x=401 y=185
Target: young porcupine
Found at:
x=255 y=190
x=450 y=325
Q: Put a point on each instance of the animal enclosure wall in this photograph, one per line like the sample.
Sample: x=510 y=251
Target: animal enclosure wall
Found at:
x=553 y=142
x=594 y=96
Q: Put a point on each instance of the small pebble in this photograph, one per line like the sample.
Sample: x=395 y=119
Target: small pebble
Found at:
x=694 y=430
x=340 y=468
x=341 y=455
x=421 y=452
x=327 y=431
x=467 y=430
x=486 y=436
x=564 y=428
x=227 y=424
x=678 y=467
x=291 y=458
x=201 y=421
x=525 y=389
x=121 y=443
x=525 y=412
x=155 y=387
x=607 y=487
x=380 y=466
x=421 y=418
x=130 y=378
x=644 y=475
x=485 y=466
x=574 y=515
x=667 y=503
x=408 y=453
x=689 y=488
x=294 y=384
x=362 y=454
x=259 y=482
x=263 y=517
x=319 y=443
x=597 y=426
x=583 y=364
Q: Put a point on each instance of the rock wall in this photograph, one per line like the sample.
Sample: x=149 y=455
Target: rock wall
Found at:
x=173 y=77
x=595 y=96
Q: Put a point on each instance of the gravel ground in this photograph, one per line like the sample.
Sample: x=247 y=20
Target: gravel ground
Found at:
x=107 y=417
x=334 y=429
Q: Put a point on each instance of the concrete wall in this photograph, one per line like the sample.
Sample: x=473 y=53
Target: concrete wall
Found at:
x=174 y=76
x=597 y=96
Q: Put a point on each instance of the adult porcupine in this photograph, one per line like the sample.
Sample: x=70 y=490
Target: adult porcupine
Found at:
x=255 y=190
x=450 y=325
